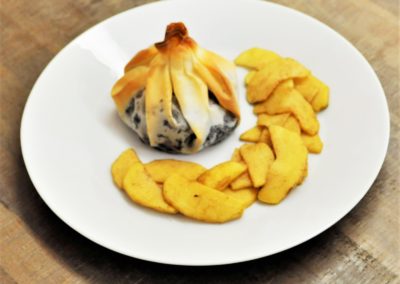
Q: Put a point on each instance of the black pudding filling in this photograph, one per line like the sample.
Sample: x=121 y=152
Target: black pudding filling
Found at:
x=177 y=139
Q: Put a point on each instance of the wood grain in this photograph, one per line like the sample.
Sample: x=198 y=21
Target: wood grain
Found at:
x=37 y=247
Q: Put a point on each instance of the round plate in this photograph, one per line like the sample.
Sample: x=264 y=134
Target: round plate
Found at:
x=71 y=133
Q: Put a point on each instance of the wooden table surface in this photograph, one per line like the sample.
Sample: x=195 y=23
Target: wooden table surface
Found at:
x=37 y=247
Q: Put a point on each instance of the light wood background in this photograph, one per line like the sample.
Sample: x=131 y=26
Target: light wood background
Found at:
x=37 y=247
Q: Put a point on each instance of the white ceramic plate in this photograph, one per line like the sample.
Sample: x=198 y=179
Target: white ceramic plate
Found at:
x=71 y=133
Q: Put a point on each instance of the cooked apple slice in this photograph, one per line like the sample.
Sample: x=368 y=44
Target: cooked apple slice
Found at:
x=201 y=202
x=268 y=120
x=141 y=189
x=265 y=137
x=249 y=76
x=292 y=124
x=121 y=165
x=290 y=167
x=321 y=100
x=221 y=175
x=314 y=143
x=307 y=86
x=258 y=158
x=243 y=181
x=314 y=91
x=252 y=135
x=160 y=170
x=267 y=79
x=236 y=156
x=286 y=99
x=255 y=58
x=246 y=195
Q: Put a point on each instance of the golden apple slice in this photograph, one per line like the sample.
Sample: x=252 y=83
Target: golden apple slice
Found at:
x=286 y=99
x=243 y=181
x=290 y=167
x=258 y=158
x=268 y=78
x=314 y=143
x=246 y=195
x=251 y=135
x=160 y=170
x=255 y=58
x=121 y=165
x=141 y=189
x=221 y=175
x=201 y=202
